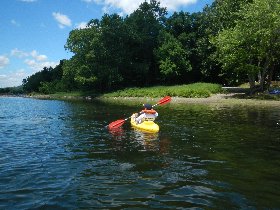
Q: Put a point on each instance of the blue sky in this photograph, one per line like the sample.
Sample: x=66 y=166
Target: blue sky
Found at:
x=33 y=32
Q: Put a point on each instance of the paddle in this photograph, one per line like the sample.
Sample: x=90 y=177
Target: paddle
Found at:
x=163 y=101
x=119 y=123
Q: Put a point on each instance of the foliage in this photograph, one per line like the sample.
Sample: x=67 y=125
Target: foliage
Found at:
x=230 y=42
x=195 y=90
x=221 y=15
x=252 y=46
x=33 y=82
x=11 y=90
x=173 y=59
x=185 y=28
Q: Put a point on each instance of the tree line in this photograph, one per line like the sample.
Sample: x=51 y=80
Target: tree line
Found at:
x=230 y=42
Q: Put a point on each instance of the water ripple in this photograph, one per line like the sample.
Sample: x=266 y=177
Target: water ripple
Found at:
x=59 y=155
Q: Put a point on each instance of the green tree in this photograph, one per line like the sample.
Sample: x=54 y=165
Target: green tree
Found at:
x=220 y=15
x=32 y=83
x=253 y=45
x=173 y=59
x=80 y=70
x=144 y=26
x=55 y=84
x=185 y=28
x=45 y=76
x=100 y=54
x=113 y=54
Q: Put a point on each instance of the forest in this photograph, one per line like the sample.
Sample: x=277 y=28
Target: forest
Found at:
x=230 y=42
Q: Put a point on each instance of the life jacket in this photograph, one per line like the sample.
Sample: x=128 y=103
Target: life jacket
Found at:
x=147 y=111
x=149 y=114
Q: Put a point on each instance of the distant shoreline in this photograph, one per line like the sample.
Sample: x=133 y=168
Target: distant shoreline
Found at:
x=215 y=99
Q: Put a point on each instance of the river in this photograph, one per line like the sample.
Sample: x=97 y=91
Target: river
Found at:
x=58 y=154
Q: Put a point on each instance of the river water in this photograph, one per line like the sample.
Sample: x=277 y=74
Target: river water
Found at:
x=59 y=155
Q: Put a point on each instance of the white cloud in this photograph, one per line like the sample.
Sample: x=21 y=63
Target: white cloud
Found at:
x=33 y=59
x=81 y=25
x=20 y=73
x=4 y=60
x=128 y=6
x=175 y=4
x=38 y=66
x=18 y=53
x=35 y=55
x=3 y=76
x=62 y=20
x=12 y=79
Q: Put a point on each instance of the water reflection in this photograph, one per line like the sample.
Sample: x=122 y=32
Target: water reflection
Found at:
x=147 y=141
x=57 y=154
x=117 y=133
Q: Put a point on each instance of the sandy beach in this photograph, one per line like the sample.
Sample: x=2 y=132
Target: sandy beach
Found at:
x=222 y=99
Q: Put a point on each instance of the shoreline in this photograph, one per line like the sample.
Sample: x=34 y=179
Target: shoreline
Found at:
x=216 y=99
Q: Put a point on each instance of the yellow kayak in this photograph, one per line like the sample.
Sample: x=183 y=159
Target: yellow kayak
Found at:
x=147 y=126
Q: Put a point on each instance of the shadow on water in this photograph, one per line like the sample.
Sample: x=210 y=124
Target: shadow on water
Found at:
x=60 y=155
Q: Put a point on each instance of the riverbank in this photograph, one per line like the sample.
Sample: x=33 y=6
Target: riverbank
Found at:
x=215 y=99
x=228 y=96
x=238 y=99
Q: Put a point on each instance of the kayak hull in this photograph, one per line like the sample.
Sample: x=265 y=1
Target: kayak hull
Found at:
x=146 y=126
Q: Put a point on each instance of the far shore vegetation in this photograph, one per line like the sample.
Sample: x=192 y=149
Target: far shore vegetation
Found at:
x=195 y=90
x=153 y=53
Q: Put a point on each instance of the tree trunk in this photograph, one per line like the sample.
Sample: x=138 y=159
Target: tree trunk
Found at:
x=252 y=83
x=270 y=75
x=251 y=78
x=264 y=74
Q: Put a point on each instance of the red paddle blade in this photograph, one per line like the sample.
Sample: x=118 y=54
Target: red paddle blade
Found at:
x=116 y=124
x=165 y=100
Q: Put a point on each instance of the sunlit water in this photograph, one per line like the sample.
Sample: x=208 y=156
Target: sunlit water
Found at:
x=59 y=155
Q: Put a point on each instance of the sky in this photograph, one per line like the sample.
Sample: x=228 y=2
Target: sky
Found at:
x=33 y=32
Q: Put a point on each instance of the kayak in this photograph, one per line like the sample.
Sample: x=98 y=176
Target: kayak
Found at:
x=147 y=126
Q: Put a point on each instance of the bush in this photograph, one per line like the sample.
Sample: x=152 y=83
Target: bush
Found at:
x=196 y=90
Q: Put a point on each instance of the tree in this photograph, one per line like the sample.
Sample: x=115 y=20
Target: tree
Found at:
x=220 y=15
x=144 y=26
x=184 y=27
x=113 y=53
x=173 y=59
x=253 y=45
x=100 y=54
x=45 y=76
x=224 y=13
x=32 y=83
x=80 y=70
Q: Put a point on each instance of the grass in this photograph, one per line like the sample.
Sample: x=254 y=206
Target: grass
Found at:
x=64 y=95
x=73 y=94
x=195 y=90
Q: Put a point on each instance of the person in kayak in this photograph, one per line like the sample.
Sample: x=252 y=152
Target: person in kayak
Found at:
x=147 y=114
